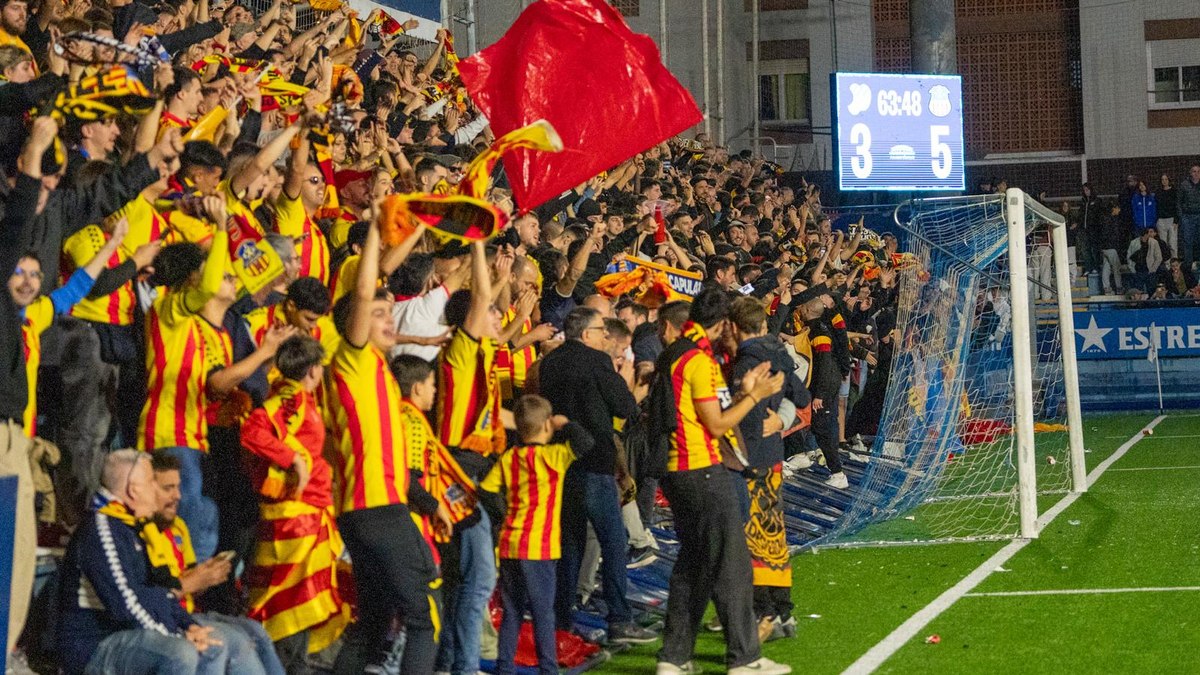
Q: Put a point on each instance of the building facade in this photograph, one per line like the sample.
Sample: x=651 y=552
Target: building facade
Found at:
x=1141 y=89
x=796 y=55
x=1057 y=92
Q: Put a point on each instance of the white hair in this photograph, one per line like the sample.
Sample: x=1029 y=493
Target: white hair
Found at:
x=118 y=467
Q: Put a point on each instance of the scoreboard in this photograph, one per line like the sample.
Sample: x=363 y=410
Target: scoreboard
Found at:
x=898 y=132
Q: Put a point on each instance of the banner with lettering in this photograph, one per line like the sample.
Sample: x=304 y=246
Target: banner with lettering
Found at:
x=682 y=281
x=1133 y=333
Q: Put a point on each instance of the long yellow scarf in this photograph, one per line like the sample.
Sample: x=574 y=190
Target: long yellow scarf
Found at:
x=158 y=547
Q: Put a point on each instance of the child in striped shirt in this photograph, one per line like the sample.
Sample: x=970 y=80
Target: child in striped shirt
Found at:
x=532 y=476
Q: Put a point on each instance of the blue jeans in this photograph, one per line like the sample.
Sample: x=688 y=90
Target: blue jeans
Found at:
x=465 y=610
x=1189 y=232
x=527 y=584
x=592 y=497
x=198 y=511
x=250 y=648
x=145 y=652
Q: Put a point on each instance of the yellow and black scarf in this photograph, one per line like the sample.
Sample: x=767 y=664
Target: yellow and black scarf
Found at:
x=158 y=548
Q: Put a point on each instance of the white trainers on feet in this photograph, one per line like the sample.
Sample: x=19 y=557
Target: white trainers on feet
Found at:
x=689 y=668
x=763 y=666
x=798 y=462
x=837 y=480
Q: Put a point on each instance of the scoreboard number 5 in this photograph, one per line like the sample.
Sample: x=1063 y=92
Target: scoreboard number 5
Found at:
x=860 y=164
x=942 y=166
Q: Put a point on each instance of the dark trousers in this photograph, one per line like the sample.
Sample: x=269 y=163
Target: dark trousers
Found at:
x=825 y=429
x=228 y=485
x=592 y=497
x=527 y=584
x=394 y=575
x=293 y=652
x=647 y=486
x=713 y=563
x=773 y=601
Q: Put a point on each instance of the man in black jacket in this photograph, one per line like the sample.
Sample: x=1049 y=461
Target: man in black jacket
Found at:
x=579 y=381
x=761 y=429
x=826 y=380
x=19 y=204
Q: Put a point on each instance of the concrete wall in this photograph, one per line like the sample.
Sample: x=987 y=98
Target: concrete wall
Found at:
x=685 y=56
x=1115 y=80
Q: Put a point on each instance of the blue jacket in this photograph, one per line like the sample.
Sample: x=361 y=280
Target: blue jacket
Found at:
x=1145 y=210
x=105 y=587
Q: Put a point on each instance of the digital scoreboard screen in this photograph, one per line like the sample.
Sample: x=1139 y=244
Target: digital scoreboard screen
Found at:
x=898 y=132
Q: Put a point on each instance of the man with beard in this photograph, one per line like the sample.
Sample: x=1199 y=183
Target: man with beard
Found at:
x=14 y=15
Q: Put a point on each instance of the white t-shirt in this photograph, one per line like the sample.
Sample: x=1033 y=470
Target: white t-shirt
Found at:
x=422 y=316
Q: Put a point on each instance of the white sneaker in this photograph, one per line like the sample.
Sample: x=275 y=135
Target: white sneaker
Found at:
x=857 y=446
x=798 y=462
x=763 y=666
x=837 y=480
x=689 y=668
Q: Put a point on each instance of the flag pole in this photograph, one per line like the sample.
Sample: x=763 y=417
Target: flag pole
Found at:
x=1152 y=355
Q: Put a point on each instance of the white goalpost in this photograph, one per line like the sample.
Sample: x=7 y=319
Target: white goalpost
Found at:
x=981 y=413
x=1017 y=204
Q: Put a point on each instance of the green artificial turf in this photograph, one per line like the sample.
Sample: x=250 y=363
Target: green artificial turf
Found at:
x=1134 y=529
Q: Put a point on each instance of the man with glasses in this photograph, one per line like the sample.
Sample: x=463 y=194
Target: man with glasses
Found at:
x=581 y=383
x=303 y=194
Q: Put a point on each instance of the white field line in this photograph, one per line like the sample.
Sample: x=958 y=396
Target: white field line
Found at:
x=1157 y=468
x=881 y=652
x=1085 y=591
x=1165 y=436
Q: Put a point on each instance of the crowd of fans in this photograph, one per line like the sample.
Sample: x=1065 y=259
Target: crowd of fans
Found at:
x=399 y=412
x=1143 y=243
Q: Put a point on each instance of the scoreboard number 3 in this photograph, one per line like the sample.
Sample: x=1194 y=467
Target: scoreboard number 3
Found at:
x=861 y=163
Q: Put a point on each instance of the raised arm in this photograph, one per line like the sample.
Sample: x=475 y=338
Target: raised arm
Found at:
x=481 y=292
x=263 y=160
x=358 y=329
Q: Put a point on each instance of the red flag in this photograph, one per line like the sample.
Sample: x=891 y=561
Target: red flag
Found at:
x=577 y=65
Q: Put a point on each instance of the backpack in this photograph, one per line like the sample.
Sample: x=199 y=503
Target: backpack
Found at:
x=648 y=437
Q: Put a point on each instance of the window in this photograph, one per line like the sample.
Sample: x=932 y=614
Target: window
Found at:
x=1177 y=85
x=1173 y=73
x=628 y=7
x=784 y=92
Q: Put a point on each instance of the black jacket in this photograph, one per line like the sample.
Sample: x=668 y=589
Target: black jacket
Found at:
x=69 y=210
x=764 y=453
x=826 y=374
x=19 y=205
x=581 y=383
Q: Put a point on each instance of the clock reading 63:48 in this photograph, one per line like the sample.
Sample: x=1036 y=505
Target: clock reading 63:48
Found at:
x=898 y=132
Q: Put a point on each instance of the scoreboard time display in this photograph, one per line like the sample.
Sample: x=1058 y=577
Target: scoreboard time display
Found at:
x=898 y=132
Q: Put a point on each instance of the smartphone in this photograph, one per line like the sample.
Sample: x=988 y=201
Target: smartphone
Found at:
x=225 y=555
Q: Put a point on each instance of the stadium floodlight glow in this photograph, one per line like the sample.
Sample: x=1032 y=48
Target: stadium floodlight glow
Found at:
x=898 y=131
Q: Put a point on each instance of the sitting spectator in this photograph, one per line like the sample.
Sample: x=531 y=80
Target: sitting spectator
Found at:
x=117 y=611
x=250 y=650
x=1179 y=281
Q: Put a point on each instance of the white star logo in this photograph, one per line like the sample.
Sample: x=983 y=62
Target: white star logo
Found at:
x=1093 y=336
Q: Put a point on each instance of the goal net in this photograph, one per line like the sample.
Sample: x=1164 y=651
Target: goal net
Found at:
x=966 y=439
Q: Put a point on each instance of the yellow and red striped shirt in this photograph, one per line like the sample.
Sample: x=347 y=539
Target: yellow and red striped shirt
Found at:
x=339 y=231
x=345 y=277
x=468 y=403
x=312 y=249
x=38 y=317
x=512 y=367
x=695 y=378
x=533 y=476
x=366 y=422
x=174 y=413
x=116 y=308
